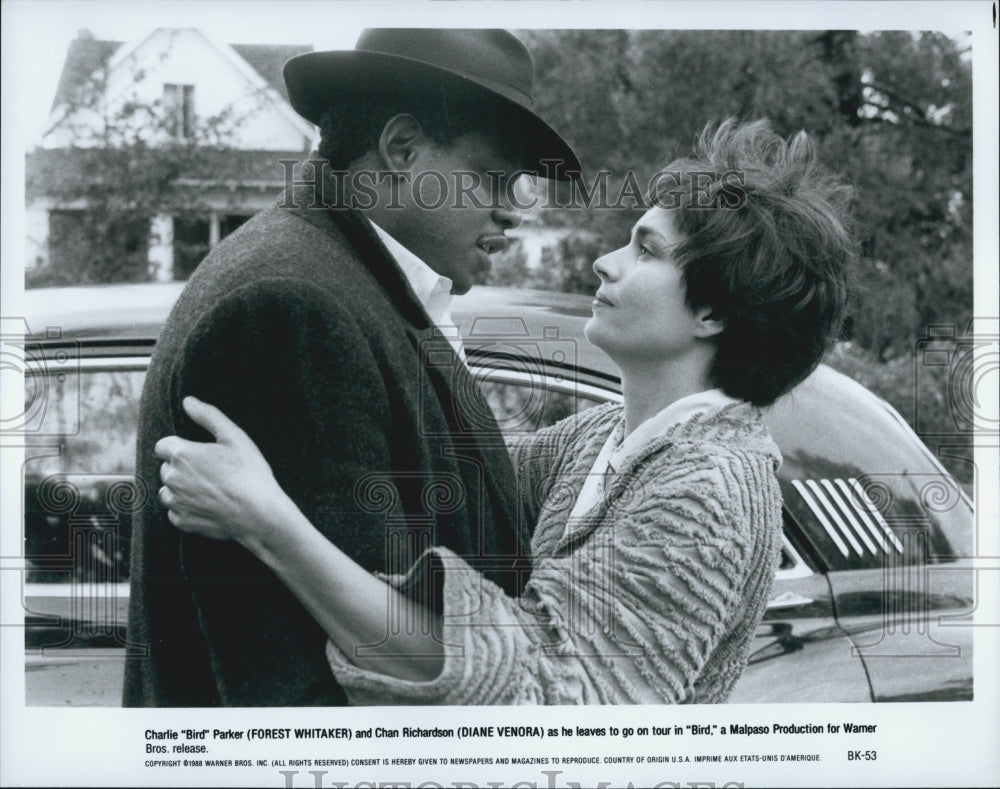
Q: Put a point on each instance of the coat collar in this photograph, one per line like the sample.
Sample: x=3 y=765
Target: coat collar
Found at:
x=351 y=226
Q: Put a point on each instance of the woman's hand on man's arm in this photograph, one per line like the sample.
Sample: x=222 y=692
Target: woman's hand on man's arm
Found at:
x=225 y=490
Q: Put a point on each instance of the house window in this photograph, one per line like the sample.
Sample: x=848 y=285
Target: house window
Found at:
x=89 y=246
x=193 y=238
x=178 y=101
x=68 y=235
x=231 y=222
x=191 y=244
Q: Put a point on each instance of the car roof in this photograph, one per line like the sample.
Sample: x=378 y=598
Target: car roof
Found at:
x=96 y=312
x=486 y=315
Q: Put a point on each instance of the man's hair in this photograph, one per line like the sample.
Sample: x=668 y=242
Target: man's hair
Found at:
x=771 y=255
x=445 y=108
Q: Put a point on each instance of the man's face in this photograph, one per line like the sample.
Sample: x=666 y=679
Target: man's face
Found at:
x=457 y=207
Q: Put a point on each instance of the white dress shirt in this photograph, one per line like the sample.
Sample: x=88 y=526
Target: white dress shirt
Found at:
x=617 y=450
x=432 y=290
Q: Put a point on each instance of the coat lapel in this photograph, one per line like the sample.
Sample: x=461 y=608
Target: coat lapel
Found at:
x=352 y=227
x=472 y=427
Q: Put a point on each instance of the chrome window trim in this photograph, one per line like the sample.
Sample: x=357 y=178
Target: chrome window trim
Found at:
x=817 y=510
x=845 y=512
x=119 y=589
x=556 y=381
x=845 y=492
x=835 y=493
x=480 y=367
x=871 y=513
x=111 y=363
x=821 y=495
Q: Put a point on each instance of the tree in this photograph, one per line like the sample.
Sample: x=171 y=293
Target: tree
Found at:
x=890 y=112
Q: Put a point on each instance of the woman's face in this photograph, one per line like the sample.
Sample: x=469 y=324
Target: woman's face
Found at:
x=640 y=313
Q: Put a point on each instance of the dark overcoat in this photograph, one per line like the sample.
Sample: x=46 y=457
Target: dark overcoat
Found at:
x=302 y=329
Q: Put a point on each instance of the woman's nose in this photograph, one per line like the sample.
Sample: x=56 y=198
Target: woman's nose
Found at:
x=605 y=266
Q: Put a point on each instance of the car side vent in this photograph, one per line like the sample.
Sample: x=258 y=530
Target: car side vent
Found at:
x=849 y=517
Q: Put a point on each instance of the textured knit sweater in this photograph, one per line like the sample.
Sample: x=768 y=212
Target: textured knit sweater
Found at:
x=652 y=597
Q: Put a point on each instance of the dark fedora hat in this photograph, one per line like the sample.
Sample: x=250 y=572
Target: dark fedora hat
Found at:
x=493 y=60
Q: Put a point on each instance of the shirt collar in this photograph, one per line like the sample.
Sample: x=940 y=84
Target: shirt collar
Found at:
x=432 y=290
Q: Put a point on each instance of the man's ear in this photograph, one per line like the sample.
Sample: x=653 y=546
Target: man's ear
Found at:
x=400 y=142
x=708 y=323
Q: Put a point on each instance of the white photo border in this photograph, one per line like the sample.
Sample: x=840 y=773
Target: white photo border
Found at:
x=918 y=743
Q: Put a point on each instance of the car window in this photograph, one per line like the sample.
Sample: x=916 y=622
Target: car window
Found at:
x=860 y=485
x=524 y=406
x=869 y=521
x=80 y=492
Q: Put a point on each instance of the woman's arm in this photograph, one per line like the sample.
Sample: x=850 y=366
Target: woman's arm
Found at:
x=226 y=491
x=646 y=609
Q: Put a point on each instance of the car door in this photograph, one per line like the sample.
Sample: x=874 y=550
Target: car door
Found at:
x=874 y=512
x=800 y=653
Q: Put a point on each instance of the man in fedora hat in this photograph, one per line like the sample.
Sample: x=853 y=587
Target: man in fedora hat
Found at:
x=322 y=328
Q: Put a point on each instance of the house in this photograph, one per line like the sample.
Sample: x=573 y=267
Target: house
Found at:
x=156 y=149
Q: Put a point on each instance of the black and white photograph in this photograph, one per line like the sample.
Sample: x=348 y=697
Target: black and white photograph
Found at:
x=499 y=394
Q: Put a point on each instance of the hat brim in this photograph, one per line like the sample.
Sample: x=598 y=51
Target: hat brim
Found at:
x=317 y=81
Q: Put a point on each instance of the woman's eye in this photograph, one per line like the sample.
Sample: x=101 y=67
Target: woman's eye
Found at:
x=643 y=251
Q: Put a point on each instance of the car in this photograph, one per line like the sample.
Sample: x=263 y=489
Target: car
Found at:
x=872 y=601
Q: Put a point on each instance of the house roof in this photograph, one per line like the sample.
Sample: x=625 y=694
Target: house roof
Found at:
x=84 y=57
x=268 y=60
x=87 y=54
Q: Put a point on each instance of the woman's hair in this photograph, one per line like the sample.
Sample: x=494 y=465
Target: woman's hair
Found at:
x=766 y=247
x=445 y=108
